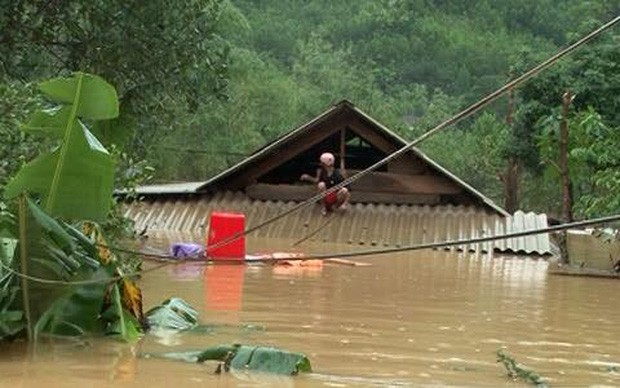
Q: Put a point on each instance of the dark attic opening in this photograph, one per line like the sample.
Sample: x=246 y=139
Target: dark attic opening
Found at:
x=358 y=153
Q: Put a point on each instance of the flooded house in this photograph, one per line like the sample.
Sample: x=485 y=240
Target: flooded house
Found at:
x=409 y=200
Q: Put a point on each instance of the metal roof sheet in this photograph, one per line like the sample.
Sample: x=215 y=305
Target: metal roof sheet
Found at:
x=170 y=188
x=378 y=225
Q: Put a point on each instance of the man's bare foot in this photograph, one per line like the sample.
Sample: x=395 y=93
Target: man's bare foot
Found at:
x=342 y=207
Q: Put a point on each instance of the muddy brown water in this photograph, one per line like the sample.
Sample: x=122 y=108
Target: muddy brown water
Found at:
x=424 y=318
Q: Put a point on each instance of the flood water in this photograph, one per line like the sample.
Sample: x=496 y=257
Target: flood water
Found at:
x=423 y=318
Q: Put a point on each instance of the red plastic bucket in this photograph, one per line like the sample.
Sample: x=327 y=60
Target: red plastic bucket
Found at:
x=221 y=227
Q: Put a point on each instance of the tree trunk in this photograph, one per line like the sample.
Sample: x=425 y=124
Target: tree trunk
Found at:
x=567 y=202
x=510 y=178
x=511 y=185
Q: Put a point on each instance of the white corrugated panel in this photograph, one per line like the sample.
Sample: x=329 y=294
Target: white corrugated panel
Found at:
x=520 y=222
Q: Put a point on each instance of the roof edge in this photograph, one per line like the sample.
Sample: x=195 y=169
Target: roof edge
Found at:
x=486 y=200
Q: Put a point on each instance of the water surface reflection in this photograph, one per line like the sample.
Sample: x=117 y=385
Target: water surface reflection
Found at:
x=419 y=318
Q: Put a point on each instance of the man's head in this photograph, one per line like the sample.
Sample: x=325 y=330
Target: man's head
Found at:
x=327 y=159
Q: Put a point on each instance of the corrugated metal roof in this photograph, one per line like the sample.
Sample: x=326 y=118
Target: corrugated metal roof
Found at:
x=363 y=224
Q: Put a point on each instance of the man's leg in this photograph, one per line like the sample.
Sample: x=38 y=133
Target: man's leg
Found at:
x=343 y=198
x=324 y=205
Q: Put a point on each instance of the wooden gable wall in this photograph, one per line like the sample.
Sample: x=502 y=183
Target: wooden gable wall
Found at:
x=273 y=174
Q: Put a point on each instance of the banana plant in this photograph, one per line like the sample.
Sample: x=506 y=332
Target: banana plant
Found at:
x=70 y=285
x=75 y=180
x=76 y=292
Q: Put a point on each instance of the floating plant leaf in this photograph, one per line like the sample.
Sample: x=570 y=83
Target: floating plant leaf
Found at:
x=248 y=358
x=268 y=359
x=174 y=314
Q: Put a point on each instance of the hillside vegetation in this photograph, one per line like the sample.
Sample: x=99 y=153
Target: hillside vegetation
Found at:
x=202 y=83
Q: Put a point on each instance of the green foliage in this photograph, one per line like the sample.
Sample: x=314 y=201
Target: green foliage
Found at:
x=540 y=192
x=118 y=320
x=130 y=175
x=80 y=164
x=517 y=371
x=591 y=73
x=476 y=153
x=269 y=359
x=205 y=82
x=329 y=73
x=247 y=358
x=138 y=47
x=55 y=255
x=69 y=289
x=596 y=157
x=66 y=281
x=76 y=312
x=18 y=100
x=593 y=162
x=163 y=57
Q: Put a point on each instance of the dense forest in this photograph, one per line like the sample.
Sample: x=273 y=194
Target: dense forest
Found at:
x=202 y=83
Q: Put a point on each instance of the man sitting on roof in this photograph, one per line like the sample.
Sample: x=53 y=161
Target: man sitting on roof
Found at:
x=327 y=176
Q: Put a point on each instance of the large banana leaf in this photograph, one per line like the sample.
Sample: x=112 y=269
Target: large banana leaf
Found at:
x=83 y=311
x=243 y=357
x=89 y=95
x=269 y=359
x=59 y=252
x=76 y=179
x=77 y=311
x=55 y=254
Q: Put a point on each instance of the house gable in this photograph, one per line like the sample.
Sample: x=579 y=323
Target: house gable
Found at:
x=272 y=173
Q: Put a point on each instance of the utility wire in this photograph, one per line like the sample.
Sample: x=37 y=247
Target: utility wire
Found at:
x=453 y=120
x=79 y=282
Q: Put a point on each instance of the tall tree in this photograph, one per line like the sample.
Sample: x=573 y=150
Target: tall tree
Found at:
x=592 y=75
x=158 y=54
